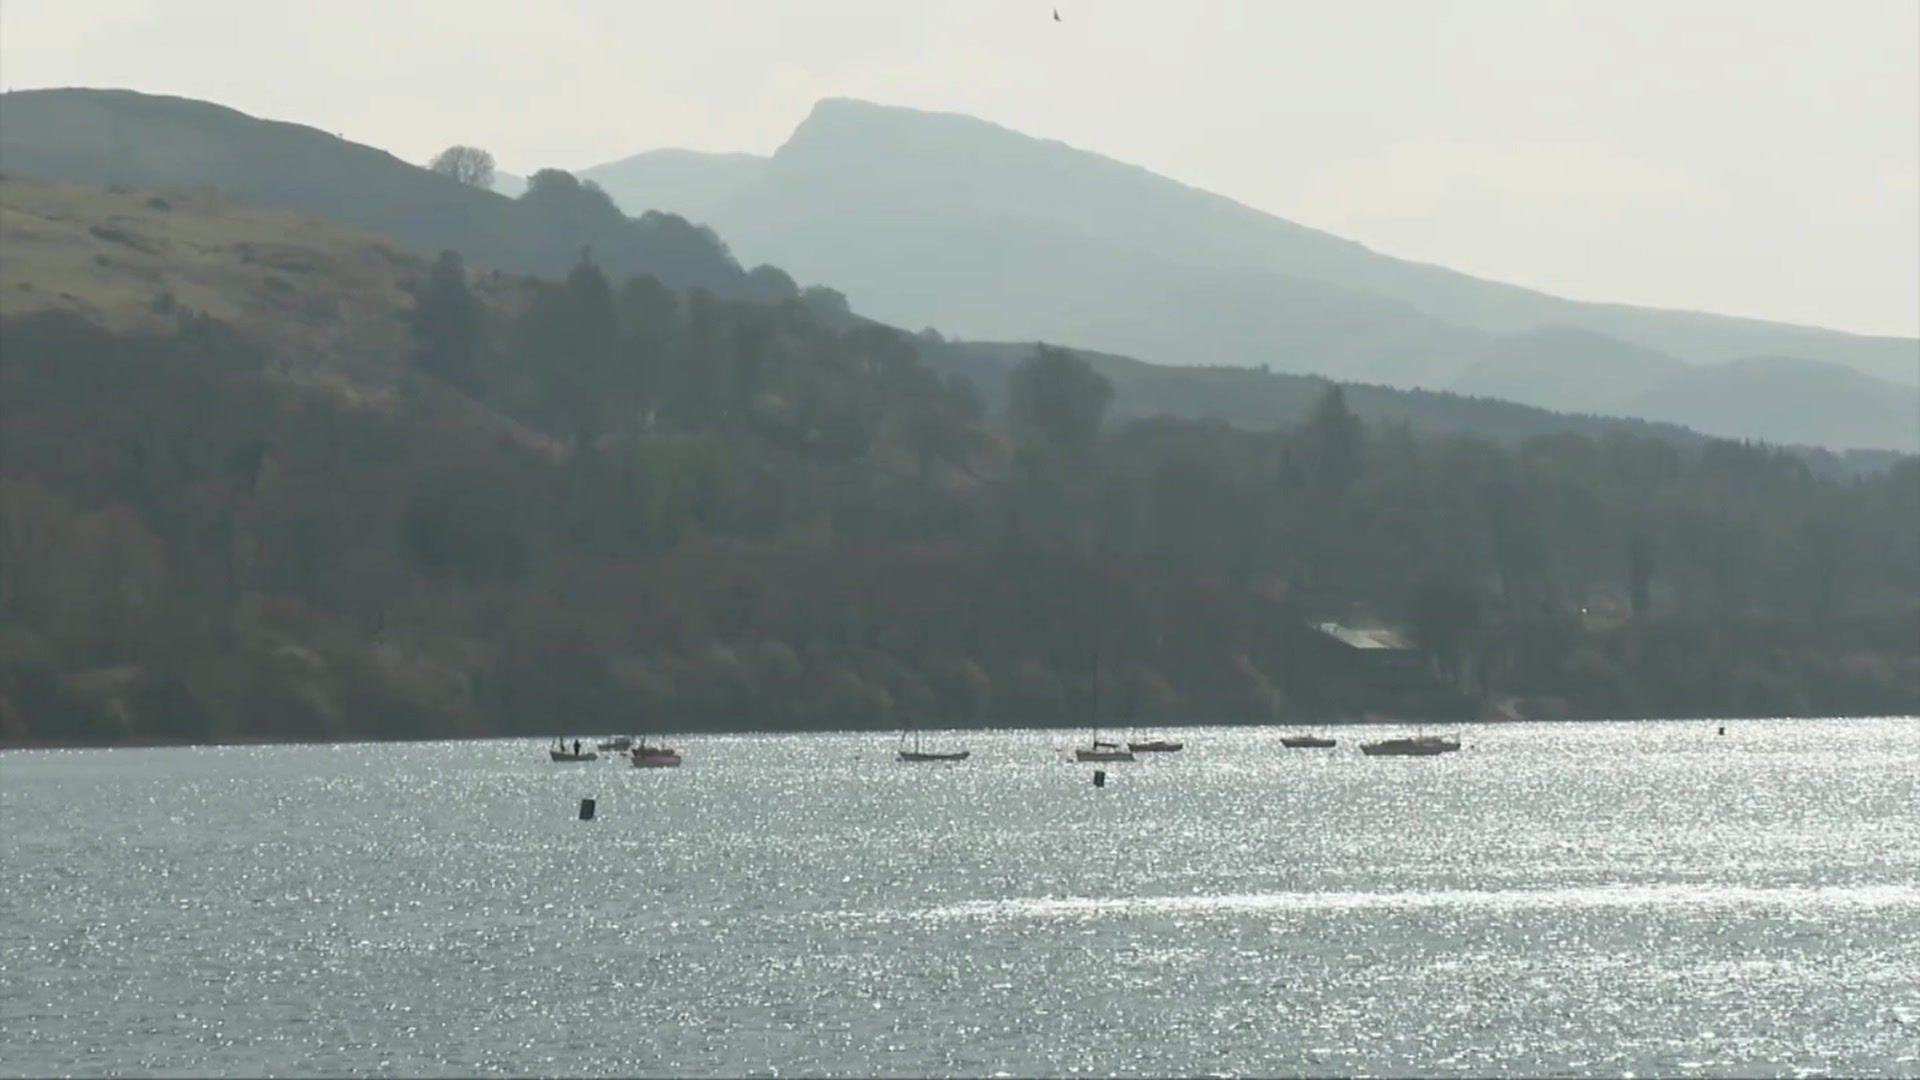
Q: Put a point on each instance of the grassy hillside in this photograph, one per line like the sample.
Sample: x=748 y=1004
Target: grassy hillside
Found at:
x=120 y=138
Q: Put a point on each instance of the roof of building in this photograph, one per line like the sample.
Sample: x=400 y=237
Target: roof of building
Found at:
x=1378 y=637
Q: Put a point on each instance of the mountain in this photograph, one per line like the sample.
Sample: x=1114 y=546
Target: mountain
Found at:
x=121 y=138
x=960 y=172
x=676 y=181
x=930 y=219
x=1799 y=400
x=1565 y=367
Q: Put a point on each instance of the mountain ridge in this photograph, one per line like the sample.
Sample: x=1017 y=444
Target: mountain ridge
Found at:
x=838 y=115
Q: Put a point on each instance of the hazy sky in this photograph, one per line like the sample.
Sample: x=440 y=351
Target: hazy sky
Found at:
x=1745 y=157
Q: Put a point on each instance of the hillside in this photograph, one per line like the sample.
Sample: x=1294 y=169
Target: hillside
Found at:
x=120 y=138
x=264 y=476
x=1256 y=400
x=948 y=221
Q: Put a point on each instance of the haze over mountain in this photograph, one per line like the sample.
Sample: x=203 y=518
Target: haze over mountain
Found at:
x=946 y=220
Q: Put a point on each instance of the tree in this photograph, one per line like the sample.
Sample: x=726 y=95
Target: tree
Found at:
x=1640 y=573
x=1446 y=615
x=1057 y=398
x=446 y=324
x=1335 y=442
x=469 y=165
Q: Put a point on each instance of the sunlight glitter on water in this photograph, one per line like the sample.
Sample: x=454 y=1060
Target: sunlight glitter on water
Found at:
x=1694 y=897
x=1592 y=899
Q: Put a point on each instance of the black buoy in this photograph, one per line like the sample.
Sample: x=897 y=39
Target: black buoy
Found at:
x=586 y=809
x=1723 y=731
x=1099 y=778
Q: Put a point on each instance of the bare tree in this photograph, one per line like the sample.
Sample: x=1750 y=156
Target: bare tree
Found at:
x=468 y=164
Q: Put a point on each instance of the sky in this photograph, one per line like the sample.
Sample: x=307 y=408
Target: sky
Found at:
x=1750 y=158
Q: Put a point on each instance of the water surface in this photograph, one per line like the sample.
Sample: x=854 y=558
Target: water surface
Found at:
x=1591 y=899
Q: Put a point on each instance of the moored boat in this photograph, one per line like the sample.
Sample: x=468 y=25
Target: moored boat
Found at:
x=915 y=753
x=1413 y=746
x=929 y=755
x=1306 y=742
x=619 y=744
x=1102 y=751
x=569 y=755
x=654 y=757
x=1154 y=746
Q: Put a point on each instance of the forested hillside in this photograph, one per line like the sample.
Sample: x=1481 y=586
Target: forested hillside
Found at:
x=261 y=476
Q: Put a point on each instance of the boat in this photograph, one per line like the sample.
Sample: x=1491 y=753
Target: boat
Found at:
x=1098 y=749
x=619 y=744
x=559 y=752
x=1411 y=746
x=917 y=754
x=1154 y=746
x=1306 y=742
x=654 y=757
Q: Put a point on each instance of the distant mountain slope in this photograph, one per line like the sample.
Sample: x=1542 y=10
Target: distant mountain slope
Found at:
x=1786 y=401
x=951 y=176
x=118 y=137
x=1798 y=400
x=1262 y=400
x=1564 y=367
x=675 y=181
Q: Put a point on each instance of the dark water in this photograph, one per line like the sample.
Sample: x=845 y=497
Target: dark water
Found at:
x=1595 y=899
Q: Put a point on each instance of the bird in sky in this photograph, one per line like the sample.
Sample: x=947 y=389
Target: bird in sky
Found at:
x=1056 y=14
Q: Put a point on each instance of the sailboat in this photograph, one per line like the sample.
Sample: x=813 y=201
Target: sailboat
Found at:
x=917 y=754
x=1098 y=749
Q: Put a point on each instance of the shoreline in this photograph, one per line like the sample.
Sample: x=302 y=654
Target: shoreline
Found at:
x=7 y=745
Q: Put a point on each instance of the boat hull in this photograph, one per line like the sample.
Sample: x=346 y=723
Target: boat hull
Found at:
x=1306 y=742
x=918 y=755
x=1156 y=746
x=1409 y=747
x=560 y=755
x=1103 y=755
x=656 y=759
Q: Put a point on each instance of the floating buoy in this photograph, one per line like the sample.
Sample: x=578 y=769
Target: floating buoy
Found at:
x=1723 y=731
x=1099 y=778
x=586 y=809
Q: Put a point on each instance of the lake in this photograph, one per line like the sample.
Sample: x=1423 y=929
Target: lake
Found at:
x=1602 y=899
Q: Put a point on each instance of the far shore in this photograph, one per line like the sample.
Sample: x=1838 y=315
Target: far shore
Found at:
x=1381 y=722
